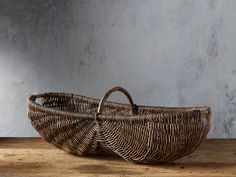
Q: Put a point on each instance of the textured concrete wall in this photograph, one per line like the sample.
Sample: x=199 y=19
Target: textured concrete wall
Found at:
x=172 y=53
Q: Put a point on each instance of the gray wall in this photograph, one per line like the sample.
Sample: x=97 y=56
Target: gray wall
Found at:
x=171 y=53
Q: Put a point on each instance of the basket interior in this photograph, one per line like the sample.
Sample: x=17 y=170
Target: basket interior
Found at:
x=85 y=105
x=81 y=105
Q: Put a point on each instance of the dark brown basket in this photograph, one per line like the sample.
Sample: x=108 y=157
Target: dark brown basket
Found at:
x=144 y=134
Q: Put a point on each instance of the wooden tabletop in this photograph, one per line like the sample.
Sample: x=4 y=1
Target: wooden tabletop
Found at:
x=20 y=157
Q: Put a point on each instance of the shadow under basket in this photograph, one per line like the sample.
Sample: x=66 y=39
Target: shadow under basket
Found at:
x=142 y=134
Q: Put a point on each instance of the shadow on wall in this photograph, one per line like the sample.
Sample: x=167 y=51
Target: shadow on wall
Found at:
x=31 y=57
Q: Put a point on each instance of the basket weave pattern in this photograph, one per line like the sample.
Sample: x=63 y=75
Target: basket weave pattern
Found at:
x=143 y=134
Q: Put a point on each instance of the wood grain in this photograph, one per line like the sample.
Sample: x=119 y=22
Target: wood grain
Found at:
x=34 y=157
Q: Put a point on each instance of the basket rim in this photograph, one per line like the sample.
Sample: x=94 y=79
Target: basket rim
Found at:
x=31 y=101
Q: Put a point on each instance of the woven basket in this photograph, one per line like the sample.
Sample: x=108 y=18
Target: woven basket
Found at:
x=143 y=134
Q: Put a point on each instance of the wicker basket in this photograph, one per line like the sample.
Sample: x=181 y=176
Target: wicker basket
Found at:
x=143 y=134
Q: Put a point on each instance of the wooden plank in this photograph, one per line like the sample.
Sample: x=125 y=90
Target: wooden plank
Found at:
x=34 y=157
x=26 y=142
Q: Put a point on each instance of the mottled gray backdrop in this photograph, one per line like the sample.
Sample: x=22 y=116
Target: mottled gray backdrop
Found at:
x=165 y=52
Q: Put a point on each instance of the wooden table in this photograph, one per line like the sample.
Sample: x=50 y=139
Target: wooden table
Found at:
x=20 y=157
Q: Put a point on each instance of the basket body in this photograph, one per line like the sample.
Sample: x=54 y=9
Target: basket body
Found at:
x=153 y=134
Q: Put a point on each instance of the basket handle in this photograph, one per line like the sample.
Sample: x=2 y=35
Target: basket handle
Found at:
x=114 y=89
